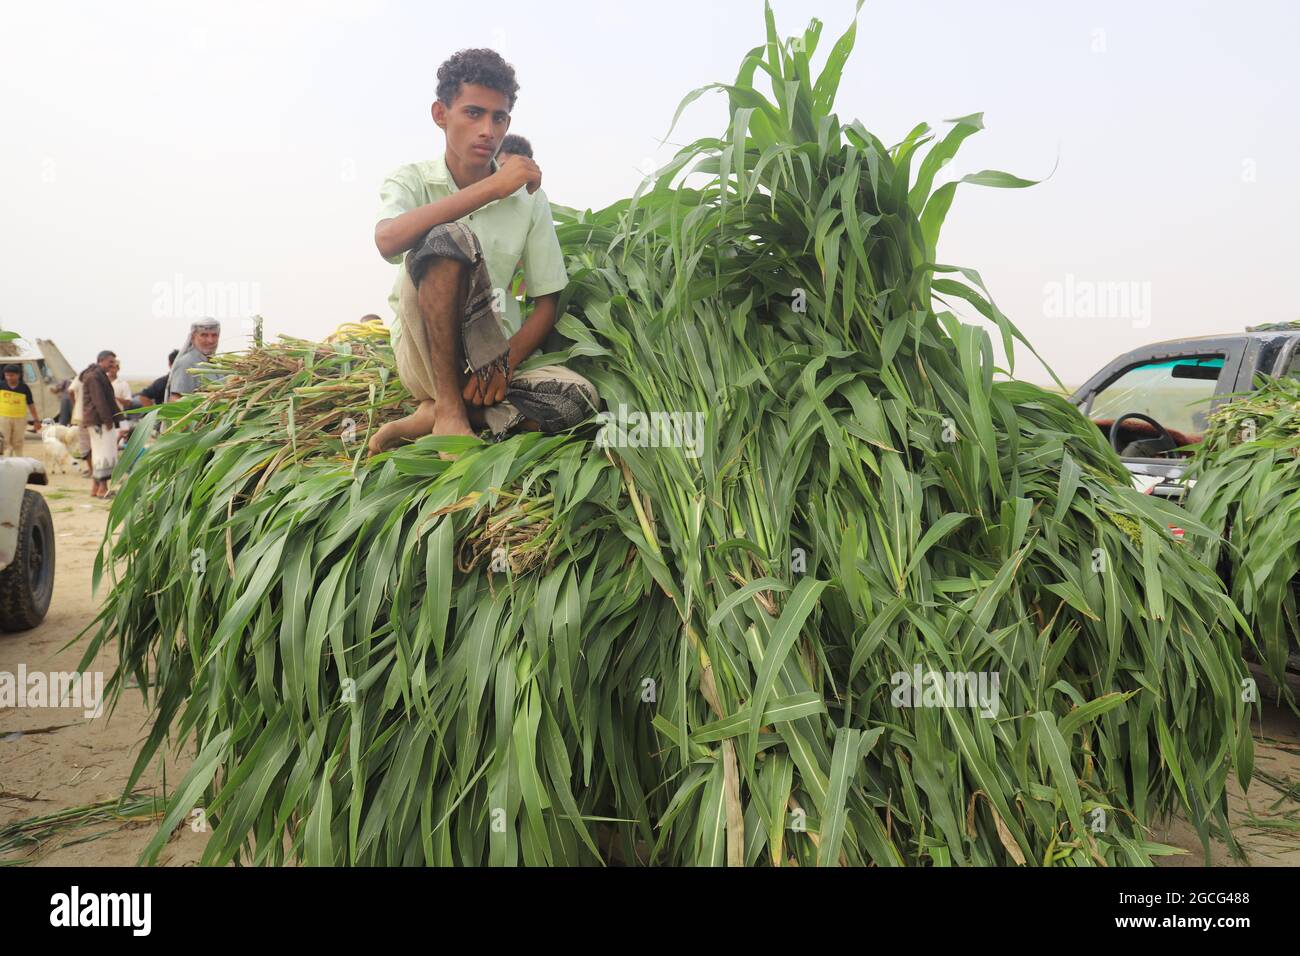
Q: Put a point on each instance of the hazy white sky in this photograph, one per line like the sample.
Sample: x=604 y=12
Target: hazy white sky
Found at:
x=147 y=147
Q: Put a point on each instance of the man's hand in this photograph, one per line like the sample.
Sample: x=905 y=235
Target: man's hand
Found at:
x=517 y=171
x=495 y=391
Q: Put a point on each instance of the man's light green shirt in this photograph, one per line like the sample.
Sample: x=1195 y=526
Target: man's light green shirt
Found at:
x=517 y=227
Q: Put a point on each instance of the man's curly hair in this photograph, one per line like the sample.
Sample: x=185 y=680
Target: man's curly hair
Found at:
x=481 y=67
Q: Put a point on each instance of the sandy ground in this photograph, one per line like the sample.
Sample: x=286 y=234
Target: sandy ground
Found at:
x=1266 y=821
x=54 y=759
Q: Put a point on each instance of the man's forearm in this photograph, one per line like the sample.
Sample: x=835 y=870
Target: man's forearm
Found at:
x=400 y=234
x=535 y=329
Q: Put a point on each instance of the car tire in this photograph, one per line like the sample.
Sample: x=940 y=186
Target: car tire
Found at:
x=27 y=584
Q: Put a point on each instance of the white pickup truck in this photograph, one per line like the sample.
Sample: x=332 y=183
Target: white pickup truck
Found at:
x=43 y=369
x=26 y=545
x=1152 y=403
x=26 y=529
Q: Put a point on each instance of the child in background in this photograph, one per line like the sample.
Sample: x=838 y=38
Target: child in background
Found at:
x=517 y=146
x=514 y=145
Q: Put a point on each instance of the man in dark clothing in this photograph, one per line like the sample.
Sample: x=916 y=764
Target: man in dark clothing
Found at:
x=156 y=391
x=64 y=392
x=101 y=414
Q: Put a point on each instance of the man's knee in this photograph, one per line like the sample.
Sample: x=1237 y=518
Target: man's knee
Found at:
x=442 y=270
x=446 y=242
x=555 y=396
x=586 y=391
x=458 y=231
x=440 y=288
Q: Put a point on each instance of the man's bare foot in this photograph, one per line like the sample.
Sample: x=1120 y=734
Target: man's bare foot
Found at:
x=455 y=422
x=413 y=426
x=452 y=423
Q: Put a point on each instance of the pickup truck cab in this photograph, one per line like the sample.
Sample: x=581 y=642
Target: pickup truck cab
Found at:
x=42 y=369
x=1154 y=402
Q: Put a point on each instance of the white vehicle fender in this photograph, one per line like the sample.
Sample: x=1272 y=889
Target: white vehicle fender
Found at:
x=15 y=475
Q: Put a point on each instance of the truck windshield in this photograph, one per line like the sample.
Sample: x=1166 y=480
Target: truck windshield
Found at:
x=1176 y=393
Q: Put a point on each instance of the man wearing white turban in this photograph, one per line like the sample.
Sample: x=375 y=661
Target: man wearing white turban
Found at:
x=200 y=345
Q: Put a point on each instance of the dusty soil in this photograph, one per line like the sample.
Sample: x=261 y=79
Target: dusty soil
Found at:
x=55 y=758
x=1266 y=821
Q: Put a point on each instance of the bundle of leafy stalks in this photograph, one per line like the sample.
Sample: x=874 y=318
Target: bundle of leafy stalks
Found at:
x=1246 y=476
x=882 y=606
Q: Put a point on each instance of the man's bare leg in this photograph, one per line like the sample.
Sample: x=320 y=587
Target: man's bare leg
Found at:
x=441 y=301
x=441 y=297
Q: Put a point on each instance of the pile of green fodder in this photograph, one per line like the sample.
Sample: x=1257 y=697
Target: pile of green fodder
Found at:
x=851 y=596
x=1246 y=489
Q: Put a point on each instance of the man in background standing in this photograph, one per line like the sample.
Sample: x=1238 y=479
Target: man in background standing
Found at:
x=64 y=392
x=15 y=405
x=156 y=391
x=200 y=345
x=102 y=417
x=121 y=387
x=78 y=393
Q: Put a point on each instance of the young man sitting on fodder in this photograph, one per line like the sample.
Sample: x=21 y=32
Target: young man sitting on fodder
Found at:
x=463 y=222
